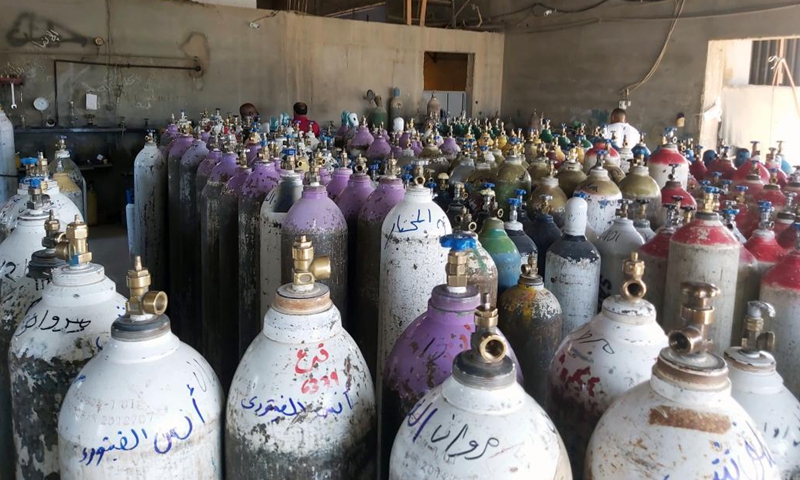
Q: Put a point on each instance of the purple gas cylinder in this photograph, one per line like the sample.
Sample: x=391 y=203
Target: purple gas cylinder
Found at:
x=179 y=146
x=209 y=207
x=204 y=170
x=422 y=357
x=339 y=179
x=223 y=352
x=380 y=148
x=254 y=191
x=187 y=257
x=389 y=193
x=318 y=218
x=350 y=202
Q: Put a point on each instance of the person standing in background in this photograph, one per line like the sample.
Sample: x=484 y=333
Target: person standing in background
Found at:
x=619 y=125
x=301 y=118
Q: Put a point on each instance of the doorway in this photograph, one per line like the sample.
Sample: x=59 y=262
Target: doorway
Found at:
x=449 y=75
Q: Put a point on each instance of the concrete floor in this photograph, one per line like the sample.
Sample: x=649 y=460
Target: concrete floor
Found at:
x=109 y=247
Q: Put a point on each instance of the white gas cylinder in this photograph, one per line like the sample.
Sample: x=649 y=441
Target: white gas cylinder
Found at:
x=150 y=209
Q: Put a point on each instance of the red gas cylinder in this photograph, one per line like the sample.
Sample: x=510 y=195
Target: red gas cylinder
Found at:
x=786 y=217
x=667 y=163
x=590 y=158
x=654 y=254
x=751 y=167
x=762 y=244
x=772 y=192
x=672 y=192
x=788 y=238
x=773 y=162
x=698 y=168
x=723 y=164
x=747 y=218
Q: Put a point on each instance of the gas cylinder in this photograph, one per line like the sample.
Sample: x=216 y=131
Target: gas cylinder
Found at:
x=412 y=262
x=410 y=372
x=150 y=217
x=722 y=163
x=615 y=246
x=389 y=193
x=757 y=387
x=752 y=166
x=222 y=350
x=654 y=253
x=602 y=196
x=68 y=176
x=318 y=218
x=7 y=158
x=539 y=167
x=482 y=397
x=762 y=243
x=503 y=251
x=350 y=202
x=204 y=170
x=339 y=179
x=450 y=148
x=786 y=217
x=600 y=148
x=475 y=186
x=753 y=182
x=667 y=163
x=747 y=218
x=273 y=212
x=771 y=192
x=669 y=194
x=602 y=360
x=209 y=208
x=571 y=174
x=305 y=361
x=481 y=269
x=682 y=423
x=457 y=203
x=65 y=209
x=511 y=176
x=380 y=148
x=544 y=233
x=169 y=132
x=793 y=183
x=437 y=162
x=254 y=191
x=780 y=287
x=640 y=221
x=442 y=197
x=486 y=206
x=21 y=286
x=50 y=347
x=186 y=300
x=625 y=155
x=362 y=139
x=530 y=316
x=704 y=250
x=573 y=269
x=639 y=185
x=558 y=199
x=179 y=145
x=524 y=243
x=142 y=356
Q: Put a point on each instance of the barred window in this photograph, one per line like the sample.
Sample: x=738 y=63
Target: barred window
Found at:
x=762 y=61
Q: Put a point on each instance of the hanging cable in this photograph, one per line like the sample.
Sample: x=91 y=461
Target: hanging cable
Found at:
x=551 y=9
x=632 y=87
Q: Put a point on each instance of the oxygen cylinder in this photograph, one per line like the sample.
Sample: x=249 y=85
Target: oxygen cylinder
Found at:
x=780 y=287
x=639 y=185
x=640 y=221
x=570 y=175
x=762 y=243
x=558 y=199
x=615 y=246
x=481 y=270
x=206 y=167
x=722 y=163
x=540 y=166
x=667 y=163
x=601 y=148
x=436 y=161
x=531 y=317
x=602 y=196
x=180 y=144
x=685 y=409
x=179 y=430
x=8 y=160
x=65 y=209
x=150 y=210
x=169 y=132
x=573 y=269
x=339 y=179
x=476 y=413
x=503 y=251
x=389 y=193
x=600 y=361
x=222 y=350
x=305 y=361
x=515 y=232
x=654 y=253
x=544 y=233
x=318 y=218
x=786 y=217
x=251 y=198
x=463 y=166
x=511 y=176
x=50 y=347
x=411 y=262
x=68 y=176
x=185 y=305
x=757 y=387
x=788 y=238
x=350 y=202
x=411 y=369
x=209 y=208
x=19 y=290
x=704 y=250
x=673 y=191
x=475 y=186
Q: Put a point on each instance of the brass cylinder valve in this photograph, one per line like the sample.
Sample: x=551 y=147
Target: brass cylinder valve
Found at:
x=698 y=313
x=142 y=301
x=41 y=164
x=622 y=211
x=755 y=338
x=307 y=269
x=38 y=200
x=634 y=289
x=360 y=167
x=52 y=233
x=456 y=267
x=73 y=247
x=486 y=342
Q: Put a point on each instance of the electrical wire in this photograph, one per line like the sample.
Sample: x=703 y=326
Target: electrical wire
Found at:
x=553 y=9
x=632 y=87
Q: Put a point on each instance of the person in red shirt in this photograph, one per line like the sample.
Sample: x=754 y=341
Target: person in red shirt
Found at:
x=300 y=116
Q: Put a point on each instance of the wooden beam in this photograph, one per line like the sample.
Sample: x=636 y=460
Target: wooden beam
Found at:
x=408 y=12
x=423 y=10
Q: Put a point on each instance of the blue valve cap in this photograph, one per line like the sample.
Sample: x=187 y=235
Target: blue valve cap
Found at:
x=458 y=242
x=514 y=201
x=35 y=183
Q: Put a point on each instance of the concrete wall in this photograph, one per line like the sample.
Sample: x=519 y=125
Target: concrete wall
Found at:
x=328 y=63
x=578 y=72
